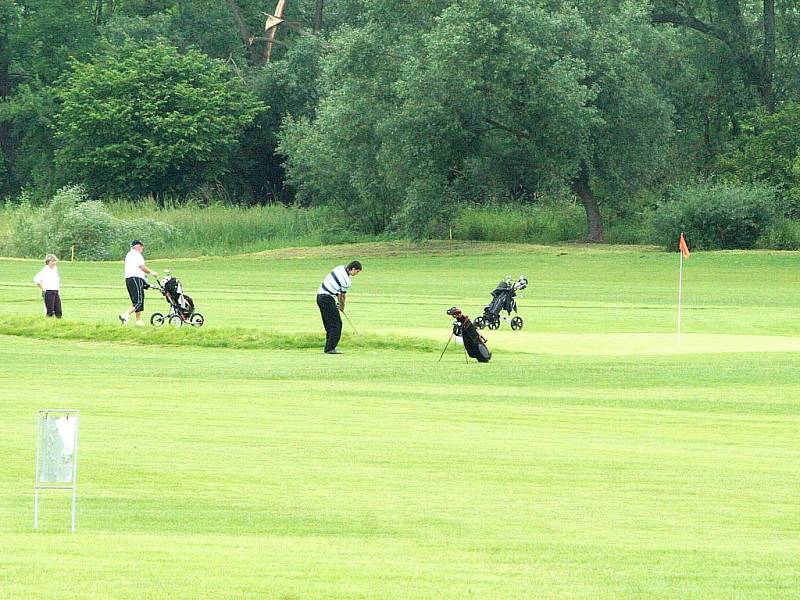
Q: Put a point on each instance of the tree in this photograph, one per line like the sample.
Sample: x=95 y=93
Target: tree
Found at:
x=489 y=99
x=289 y=86
x=730 y=23
x=337 y=156
x=768 y=152
x=142 y=120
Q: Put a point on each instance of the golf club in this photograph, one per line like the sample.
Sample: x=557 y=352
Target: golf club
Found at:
x=351 y=323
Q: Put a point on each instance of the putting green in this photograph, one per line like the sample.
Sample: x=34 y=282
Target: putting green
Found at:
x=620 y=344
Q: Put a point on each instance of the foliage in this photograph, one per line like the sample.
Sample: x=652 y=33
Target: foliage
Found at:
x=492 y=98
x=716 y=216
x=770 y=153
x=543 y=223
x=784 y=234
x=70 y=221
x=399 y=111
x=31 y=112
x=140 y=120
x=334 y=158
x=290 y=88
x=50 y=34
x=172 y=229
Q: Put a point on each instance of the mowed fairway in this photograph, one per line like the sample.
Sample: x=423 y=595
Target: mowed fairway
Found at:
x=595 y=456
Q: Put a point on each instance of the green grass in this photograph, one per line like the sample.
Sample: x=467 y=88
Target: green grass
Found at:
x=595 y=456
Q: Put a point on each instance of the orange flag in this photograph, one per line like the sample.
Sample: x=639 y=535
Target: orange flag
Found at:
x=684 y=248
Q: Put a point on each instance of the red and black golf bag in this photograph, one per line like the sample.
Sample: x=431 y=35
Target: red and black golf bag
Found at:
x=474 y=342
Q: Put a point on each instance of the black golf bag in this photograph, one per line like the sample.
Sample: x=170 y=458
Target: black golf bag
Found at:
x=504 y=298
x=474 y=342
x=180 y=302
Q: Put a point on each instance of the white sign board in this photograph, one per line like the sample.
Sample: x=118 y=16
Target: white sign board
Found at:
x=56 y=455
x=57 y=452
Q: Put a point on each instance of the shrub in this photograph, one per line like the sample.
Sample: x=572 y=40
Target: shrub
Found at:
x=69 y=220
x=633 y=229
x=783 y=235
x=716 y=216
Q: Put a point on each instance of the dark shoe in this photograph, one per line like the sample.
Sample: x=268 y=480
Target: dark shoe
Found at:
x=334 y=351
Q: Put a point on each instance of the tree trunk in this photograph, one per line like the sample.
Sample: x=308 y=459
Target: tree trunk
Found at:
x=582 y=189
x=244 y=31
x=318 y=16
x=8 y=149
x=767 y=89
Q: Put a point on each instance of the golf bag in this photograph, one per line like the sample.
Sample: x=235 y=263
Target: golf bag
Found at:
x=474 y=342
x=180 y=302
x=504 y=298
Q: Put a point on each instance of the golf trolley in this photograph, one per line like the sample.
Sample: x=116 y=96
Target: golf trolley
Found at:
x=181 y=305
x=503 y=298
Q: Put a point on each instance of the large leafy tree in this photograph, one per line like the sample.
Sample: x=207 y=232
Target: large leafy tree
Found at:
x=338 y=155
x=142 y=120
x=488 y=99
x=541 y=97
x=37 y=37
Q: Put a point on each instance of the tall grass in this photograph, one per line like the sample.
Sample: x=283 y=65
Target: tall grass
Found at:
x=539 y=223
x=223 y=229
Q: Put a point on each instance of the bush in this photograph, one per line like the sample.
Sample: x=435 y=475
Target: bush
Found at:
x=716 y=216
x=69 y=220
x=633 y=230
x=783 y=235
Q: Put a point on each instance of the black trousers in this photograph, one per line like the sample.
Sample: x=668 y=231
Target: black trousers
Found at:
x=330 y=319
x=52 y=302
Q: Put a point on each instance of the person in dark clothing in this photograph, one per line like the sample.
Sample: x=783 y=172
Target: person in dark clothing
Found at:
x=331 y=297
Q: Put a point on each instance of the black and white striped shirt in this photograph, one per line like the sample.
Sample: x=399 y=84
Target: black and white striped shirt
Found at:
x=337 y=282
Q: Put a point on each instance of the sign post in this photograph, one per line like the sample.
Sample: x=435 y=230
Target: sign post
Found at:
x=56 y=455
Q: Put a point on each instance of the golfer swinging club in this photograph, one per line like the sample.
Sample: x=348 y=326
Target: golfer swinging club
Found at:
x=334 y=287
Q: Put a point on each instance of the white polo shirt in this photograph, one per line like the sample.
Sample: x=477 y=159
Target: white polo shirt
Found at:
x=134 y=260
x=48 y=278
x=337 y=282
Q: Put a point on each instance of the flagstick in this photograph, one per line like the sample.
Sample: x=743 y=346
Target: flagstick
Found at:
x=680 y=294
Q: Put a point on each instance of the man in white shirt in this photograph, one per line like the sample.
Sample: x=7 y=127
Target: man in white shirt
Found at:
x=334 y=287
x=135 y=271
x=49 y=282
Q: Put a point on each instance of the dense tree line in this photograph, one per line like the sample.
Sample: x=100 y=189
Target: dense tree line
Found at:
x=398 y=112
